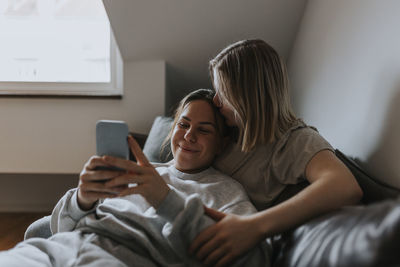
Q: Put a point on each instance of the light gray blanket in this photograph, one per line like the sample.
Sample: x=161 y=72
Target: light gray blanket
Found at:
x=129 y=232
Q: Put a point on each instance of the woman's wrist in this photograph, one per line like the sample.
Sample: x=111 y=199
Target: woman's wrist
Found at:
x=260 y=225
x=162 y=196
x=85 y=206
x=263 y=224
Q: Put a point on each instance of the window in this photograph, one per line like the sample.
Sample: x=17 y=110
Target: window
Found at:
x=57 y=47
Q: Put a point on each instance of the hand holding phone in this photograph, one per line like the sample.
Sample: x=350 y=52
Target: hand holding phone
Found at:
x=111 y=140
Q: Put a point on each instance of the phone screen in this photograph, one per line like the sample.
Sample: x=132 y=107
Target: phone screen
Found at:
x=111 y=139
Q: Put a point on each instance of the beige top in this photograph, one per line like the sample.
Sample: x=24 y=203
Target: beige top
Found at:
x=267 y=170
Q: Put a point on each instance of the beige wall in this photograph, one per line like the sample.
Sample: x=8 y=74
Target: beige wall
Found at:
x=345 y=72
x=44 y=135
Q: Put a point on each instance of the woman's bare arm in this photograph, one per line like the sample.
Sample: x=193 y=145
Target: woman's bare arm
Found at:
x=332 y=186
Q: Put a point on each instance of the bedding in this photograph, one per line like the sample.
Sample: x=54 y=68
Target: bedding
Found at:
x=131 y=232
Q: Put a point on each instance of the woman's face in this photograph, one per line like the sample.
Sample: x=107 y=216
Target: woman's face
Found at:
x=224 y=107
x=195 y=140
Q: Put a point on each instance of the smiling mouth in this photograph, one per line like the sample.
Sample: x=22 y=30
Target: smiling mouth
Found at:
x=186 y=149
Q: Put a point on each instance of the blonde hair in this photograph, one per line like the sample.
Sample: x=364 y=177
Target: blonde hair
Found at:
x=206 y=95
x=253 y=80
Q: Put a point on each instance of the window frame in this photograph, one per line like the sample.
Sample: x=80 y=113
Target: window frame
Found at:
x=89 y=89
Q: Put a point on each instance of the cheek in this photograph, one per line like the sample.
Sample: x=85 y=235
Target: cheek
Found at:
x=229 y=116
x=226 y=109
x=213 y=146
x=225 y=112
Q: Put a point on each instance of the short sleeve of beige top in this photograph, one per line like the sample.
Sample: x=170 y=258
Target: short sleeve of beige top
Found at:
x=268 y=169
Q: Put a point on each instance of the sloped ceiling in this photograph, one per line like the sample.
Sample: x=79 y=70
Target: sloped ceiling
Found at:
x=188 y=33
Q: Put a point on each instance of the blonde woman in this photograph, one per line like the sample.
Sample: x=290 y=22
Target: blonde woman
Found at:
x=272 y=151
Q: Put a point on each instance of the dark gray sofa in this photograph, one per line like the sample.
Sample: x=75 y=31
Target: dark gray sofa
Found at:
x=358 y=236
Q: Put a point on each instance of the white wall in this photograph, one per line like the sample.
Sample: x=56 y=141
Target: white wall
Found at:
x=345 y=74
x=188 y=33
x=57 y=135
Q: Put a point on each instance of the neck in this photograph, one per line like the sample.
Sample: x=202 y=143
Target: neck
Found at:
x=191 y=171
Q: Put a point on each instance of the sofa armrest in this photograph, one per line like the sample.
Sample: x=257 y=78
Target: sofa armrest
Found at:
x=39 y=228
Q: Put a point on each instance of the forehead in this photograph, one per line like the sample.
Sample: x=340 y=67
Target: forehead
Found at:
x=199 y=110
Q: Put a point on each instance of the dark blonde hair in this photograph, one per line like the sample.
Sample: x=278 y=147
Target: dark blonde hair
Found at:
x=206 y=95
x=253 y=80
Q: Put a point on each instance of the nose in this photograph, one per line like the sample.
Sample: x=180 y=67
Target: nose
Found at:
x=217 y=101
x=190 y=136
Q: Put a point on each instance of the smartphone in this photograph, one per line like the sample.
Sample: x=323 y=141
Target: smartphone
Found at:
x=112 y=140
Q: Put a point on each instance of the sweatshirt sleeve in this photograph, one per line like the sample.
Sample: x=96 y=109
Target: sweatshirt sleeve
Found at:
x=186 y=219
x=67 y=213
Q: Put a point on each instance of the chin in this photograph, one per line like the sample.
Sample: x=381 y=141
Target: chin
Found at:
x=183 y=164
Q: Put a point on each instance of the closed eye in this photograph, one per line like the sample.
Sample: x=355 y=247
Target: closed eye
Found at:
x=205 y=131
x=183 y=125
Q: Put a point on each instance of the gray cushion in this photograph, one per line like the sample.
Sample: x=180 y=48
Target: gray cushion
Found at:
x=159 y=131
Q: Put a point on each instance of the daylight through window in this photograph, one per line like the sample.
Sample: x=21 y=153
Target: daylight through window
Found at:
x=55 y=41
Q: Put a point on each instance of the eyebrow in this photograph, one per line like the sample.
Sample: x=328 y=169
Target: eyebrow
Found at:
x=202 y=122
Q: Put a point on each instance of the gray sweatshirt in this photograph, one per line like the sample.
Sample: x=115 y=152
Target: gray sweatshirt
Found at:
x=163 y=235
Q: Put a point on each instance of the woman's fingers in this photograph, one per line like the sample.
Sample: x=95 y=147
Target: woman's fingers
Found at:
x=215 y=256
x=148 y=182
x=137 y=152
x=228 y=258
x=128 y=178
x=94 y=162
x=206 y=241
x=207 y=248
x=124 y=164
x=214 y=214
x=101 y=188
x=89 y=176
x=132 y=190
x=202 y=238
